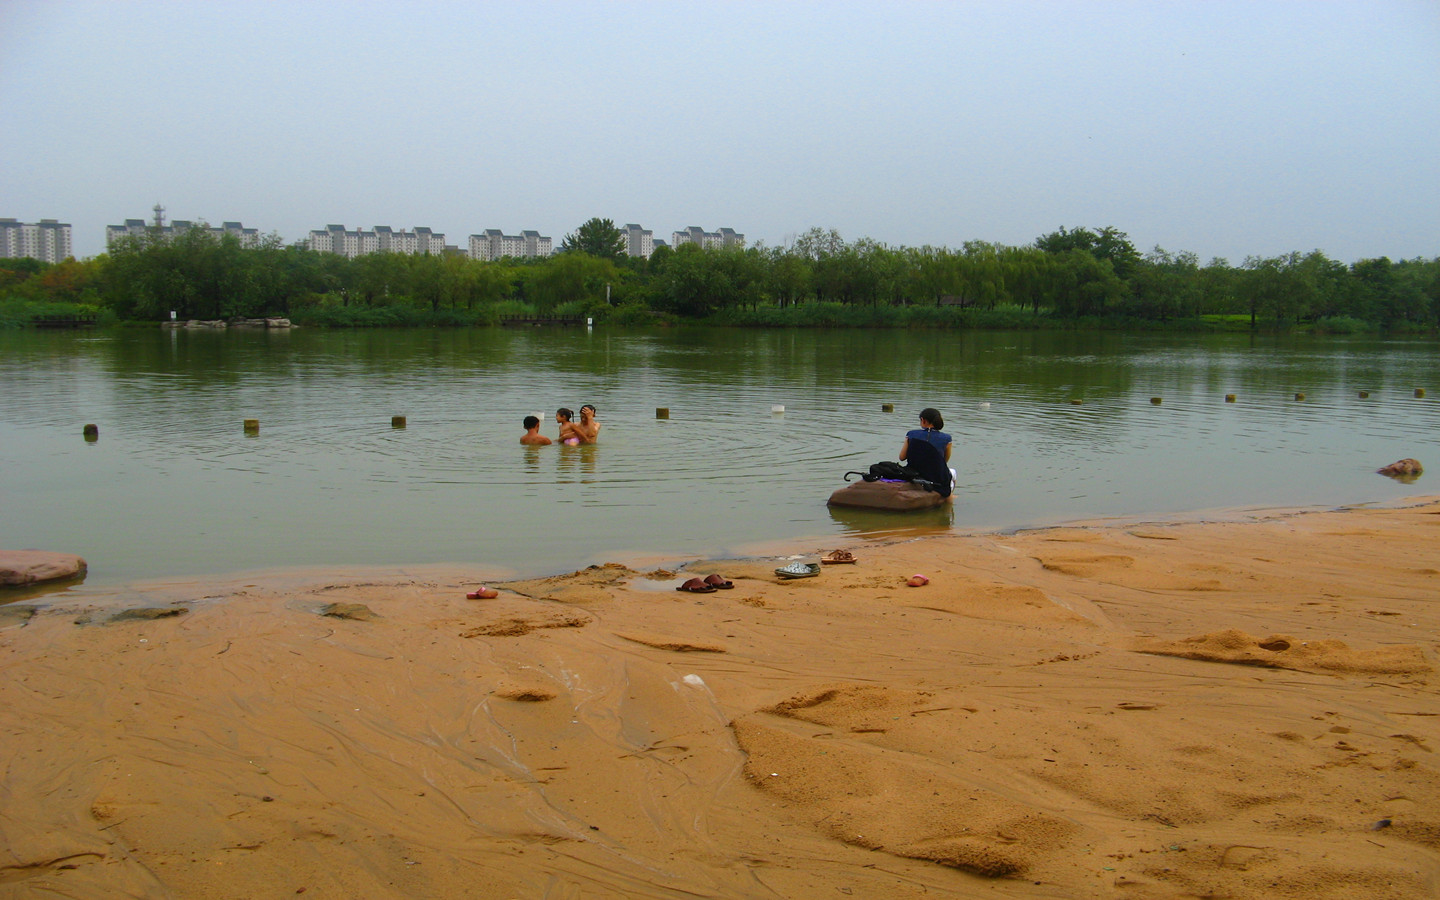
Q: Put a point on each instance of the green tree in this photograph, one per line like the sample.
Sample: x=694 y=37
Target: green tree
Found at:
x=569 y=278
x=1166 y=285
x=597 y=237
x=1081 y=285
x=1279 y=286
x=1108 y=243
x=692 y=284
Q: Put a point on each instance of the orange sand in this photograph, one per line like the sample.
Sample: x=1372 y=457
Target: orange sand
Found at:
x=1196 y=710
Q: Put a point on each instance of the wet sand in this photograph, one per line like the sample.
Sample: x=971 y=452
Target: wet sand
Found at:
x=1226 y=709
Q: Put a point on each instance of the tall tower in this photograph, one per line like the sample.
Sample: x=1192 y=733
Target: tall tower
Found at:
x=159 y=216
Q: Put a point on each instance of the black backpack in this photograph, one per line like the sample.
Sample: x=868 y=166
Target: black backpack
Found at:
x=893 y=471
x=888 y=470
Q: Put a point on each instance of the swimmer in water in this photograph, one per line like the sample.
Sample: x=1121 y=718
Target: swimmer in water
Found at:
x=569 y=434
x=532 y=433
x=588 y=427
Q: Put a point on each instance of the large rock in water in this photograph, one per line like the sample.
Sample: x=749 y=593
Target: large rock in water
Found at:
x=31 y=566
x=896 y=495
x=1403 y=468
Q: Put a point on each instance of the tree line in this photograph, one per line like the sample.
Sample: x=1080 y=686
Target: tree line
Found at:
x=1068 y=277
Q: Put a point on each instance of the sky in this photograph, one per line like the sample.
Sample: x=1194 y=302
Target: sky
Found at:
x=1226 y=129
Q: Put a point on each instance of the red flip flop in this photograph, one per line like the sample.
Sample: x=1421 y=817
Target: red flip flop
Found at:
x=696 y=586
x=719 y=581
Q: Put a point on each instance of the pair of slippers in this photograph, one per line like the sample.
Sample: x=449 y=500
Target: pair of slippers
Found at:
x=482 y=593
x=837 y=556
x=708 y=584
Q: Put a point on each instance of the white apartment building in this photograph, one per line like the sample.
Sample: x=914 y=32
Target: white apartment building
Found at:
x=249 y=237
x=493 y=244
x=47 y=240
x=716 y=240
x=638 y=241
x=388 y=240
x=382 y=239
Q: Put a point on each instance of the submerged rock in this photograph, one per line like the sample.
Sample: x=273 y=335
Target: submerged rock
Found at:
x=1403 y=468
x=149 y=612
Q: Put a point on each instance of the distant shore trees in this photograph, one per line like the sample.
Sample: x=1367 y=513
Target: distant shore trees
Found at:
x=1072 y=277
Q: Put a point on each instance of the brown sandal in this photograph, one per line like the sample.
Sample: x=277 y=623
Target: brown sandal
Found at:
x=696 y=586
x=838 y=556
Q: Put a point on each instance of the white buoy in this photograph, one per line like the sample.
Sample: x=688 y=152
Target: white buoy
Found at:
x=985 y=405
x=777 y=409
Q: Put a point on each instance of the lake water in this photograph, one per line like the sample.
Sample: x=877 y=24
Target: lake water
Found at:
x=174 y=487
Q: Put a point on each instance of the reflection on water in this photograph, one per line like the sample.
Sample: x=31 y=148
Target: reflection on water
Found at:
x=1048 y=427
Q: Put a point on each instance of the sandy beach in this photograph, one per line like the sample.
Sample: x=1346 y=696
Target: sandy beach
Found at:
x=1238 y=709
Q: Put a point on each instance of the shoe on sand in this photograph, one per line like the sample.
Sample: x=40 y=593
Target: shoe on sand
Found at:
x=482 y=593
x=696 y=586
x=719 y=581
x=837 y=556
x=799 y=570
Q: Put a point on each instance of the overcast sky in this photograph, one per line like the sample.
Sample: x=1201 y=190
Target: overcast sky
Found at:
x=1222 y=128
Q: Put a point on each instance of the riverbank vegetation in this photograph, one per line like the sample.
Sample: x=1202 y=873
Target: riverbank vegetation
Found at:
x=1078 y=277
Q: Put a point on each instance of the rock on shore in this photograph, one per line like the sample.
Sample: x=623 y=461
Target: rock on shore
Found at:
x=30 y=566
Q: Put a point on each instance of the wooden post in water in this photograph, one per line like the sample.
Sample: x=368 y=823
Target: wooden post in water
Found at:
x=92 y=432
x=1229 y=398
x=662 y=412
x=1155 y=401
x=252 y=426
x=1364 y=395
x=397 y=421
x=1299 y=396
x=1420 y=393
x=887 y=407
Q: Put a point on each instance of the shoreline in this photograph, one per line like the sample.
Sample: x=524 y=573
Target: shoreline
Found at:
x=1152 y=708
x=297 y=577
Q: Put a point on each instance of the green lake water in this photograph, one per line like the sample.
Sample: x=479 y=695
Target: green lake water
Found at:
x=174 y=487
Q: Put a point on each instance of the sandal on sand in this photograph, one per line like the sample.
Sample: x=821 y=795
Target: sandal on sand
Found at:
x=837 y=556
x=482 y=593
x=798 y=570
x=719 y=581
x=696 y=586
x=918 y=581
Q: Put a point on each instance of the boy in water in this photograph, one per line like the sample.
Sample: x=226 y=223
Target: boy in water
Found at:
x=532 y=433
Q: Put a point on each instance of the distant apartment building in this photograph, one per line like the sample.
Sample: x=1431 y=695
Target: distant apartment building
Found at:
x=248 y=237
x=722 y=239
x=381 y=239
x=47 y=240
x=494 y=244
x=638 y=241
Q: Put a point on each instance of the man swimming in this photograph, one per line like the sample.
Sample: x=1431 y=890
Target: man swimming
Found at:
x=588 y=427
